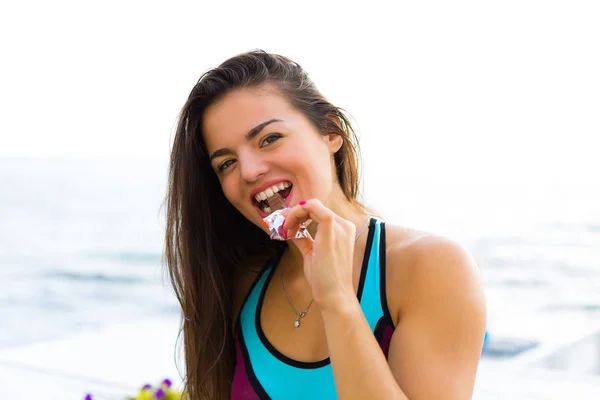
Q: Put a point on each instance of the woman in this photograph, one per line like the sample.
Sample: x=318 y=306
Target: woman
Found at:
x=358 y=310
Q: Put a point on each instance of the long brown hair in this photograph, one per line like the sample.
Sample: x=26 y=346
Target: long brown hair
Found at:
x=202 y=251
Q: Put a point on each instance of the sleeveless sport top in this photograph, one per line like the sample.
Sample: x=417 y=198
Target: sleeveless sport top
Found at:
x=262 y=372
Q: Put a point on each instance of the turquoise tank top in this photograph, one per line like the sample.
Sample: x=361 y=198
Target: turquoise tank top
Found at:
x=262 y=372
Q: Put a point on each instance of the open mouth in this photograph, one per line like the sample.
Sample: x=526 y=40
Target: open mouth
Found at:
x=260 y=199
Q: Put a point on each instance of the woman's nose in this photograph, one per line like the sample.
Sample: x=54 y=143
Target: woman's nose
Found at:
x=252 y=166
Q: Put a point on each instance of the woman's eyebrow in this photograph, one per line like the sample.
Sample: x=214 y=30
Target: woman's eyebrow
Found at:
x=249 y=136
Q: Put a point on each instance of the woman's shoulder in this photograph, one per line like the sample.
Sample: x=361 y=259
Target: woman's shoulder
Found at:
x=413 y=247
x=422 y=265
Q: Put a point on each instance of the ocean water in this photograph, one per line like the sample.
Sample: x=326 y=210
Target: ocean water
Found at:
x=81 y=243
x=80 y=247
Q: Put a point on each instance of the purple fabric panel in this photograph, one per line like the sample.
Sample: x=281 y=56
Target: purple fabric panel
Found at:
x=241 y=389
x=385 y=339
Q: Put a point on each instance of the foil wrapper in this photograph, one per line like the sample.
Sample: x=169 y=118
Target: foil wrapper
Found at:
x=274 y=223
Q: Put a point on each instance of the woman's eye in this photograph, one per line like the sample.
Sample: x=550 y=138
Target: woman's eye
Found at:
x=224 y=165
x=273 y=137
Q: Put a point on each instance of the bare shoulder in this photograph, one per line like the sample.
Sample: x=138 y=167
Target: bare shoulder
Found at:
x=426 y=268
x=436 y=300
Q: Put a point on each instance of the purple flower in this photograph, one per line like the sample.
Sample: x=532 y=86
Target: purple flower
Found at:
x=159 y=394
x=147 y=386
x=88 y=397
x=167 y=382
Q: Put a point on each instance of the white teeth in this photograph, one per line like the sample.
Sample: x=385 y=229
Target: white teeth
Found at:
x=265 y=208
x=271 y=191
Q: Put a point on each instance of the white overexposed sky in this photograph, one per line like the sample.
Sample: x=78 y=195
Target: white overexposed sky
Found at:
x=466 y=90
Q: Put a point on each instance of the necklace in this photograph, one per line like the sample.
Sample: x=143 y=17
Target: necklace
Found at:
x=302 y=314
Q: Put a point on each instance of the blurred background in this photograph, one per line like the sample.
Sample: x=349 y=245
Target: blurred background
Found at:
x=477 y=120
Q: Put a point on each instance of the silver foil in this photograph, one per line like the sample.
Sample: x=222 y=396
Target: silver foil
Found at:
x=274 y=222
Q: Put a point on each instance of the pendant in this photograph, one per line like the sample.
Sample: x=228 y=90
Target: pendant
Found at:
x=297 y=323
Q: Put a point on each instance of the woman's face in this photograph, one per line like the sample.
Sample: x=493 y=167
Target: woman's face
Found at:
x=259 y=145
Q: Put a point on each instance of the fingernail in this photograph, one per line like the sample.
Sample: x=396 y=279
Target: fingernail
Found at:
x=285 y=231
x=302 y=202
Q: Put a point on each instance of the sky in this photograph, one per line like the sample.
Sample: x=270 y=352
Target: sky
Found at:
x=463 y=91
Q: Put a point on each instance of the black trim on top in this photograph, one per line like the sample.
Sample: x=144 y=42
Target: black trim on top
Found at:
x=272 y=262
x=258 y=388
x=382 y=275
x=263 y=338
x=261 y=334
x=366 y=257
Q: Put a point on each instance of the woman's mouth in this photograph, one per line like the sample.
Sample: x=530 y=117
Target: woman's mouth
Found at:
x=260 y=199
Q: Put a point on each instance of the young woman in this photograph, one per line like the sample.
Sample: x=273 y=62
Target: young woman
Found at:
x=361 y=309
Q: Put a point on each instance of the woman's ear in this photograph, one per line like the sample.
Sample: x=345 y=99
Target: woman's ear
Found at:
x=334 y=142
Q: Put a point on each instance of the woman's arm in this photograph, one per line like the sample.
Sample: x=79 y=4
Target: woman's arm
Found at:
x=435 y=349
x=359 y=367
x=436 y=346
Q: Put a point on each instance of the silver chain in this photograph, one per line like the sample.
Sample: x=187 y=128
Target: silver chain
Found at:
x=302 y=314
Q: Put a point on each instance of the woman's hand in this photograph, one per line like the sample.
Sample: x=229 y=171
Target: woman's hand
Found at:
x=328 y=257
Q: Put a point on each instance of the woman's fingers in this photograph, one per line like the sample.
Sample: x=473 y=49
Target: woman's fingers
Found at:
x=304 y=212
x=318 y=212
x=294 y=217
